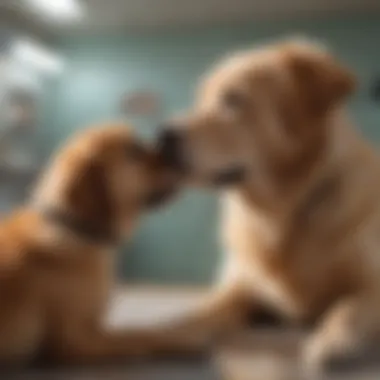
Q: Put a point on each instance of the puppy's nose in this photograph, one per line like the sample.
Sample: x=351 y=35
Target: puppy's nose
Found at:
x=170 y=145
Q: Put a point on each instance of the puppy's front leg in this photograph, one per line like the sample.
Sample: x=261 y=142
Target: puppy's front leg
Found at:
x=346 y=328
x=97 y=345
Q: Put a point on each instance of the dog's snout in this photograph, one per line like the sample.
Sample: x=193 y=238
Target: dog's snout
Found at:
x=170 y=137
x=170 y=145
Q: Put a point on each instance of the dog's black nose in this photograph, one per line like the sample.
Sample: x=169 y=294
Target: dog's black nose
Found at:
x=170 y=145
x=169 y=137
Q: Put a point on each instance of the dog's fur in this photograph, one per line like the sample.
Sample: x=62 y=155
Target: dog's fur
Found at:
x=57 y=253
x=302 y=227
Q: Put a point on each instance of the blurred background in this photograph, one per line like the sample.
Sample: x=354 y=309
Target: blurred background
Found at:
x=65 y=64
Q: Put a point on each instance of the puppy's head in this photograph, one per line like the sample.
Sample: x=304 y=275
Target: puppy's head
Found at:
x=107 y=177
x=260 y=113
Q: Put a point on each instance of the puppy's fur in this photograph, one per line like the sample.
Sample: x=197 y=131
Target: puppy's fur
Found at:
x=56 y=253
x=301 y=227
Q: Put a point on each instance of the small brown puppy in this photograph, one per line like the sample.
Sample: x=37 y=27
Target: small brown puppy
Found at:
x=57 y=253
x=301 y=201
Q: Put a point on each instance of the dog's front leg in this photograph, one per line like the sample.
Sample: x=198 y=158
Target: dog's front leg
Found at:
x=221 y=312
x=346 y=328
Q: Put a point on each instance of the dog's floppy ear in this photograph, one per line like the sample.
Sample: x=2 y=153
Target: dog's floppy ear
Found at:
x=88 y=193
x=322 y=82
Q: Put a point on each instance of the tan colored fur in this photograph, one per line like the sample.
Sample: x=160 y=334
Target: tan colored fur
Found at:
x=302 y=232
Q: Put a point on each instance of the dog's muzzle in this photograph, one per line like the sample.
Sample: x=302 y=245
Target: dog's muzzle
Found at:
x=228 y=177
x=171 y=148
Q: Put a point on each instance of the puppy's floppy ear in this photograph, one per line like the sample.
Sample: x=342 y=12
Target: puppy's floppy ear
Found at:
x=322 y=82
x=88 y=193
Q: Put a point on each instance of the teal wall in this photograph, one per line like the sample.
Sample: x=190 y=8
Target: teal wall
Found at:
x=180 y=244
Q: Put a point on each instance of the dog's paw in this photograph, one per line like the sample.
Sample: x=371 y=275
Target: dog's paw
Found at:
x=314 y=359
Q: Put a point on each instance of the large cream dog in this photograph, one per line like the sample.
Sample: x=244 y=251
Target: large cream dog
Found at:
x=300 y=195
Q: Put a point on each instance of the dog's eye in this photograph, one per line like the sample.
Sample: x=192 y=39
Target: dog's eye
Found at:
x=233 y=100
x=135 y=153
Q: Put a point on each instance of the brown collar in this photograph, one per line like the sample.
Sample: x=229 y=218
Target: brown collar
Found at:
x=83 y=229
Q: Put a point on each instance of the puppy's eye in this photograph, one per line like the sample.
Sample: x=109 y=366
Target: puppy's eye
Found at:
x=233 y=100
x=135 y=153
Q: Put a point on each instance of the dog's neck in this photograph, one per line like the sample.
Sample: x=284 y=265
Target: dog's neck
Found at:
x=81 y=228
x=303 y=195
x=72 y=220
